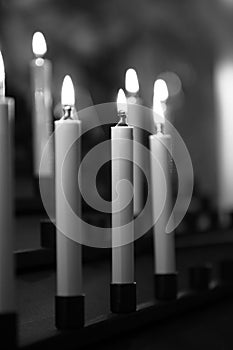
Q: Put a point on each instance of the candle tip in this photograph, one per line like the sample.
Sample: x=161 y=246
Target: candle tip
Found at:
x=67 y=92
x=131 y=81
x=39 y=46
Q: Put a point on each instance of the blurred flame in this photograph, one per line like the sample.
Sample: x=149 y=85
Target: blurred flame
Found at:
x=2 y=76
x=131 y=81
x=161 y=90
x=160 y=95
x=121 y=101
x=39 y=46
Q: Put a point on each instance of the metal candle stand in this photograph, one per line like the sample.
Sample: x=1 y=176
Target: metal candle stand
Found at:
x=111 y=325
x=123 y=297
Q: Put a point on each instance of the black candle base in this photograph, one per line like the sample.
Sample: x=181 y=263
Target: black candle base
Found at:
x=69 y=312
x=47 y=234
x=199 y=278
x=165 y=286
x=8 y=331
x=123 y=297
x=226 y=271
x=36 y=185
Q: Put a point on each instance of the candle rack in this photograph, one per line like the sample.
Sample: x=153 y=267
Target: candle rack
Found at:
x=38 y=329
x=108 y=326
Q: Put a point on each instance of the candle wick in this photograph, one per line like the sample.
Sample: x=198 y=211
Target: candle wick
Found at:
x=38 y=55
x=123 y=119
x=159 y=128
x=2 y=90
x=67 y=112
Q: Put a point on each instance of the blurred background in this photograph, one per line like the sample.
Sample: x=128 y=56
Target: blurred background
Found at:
x=187 y=43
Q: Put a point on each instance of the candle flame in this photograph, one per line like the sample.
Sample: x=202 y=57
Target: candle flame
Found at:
x=160 y=95
x=2 y=76
x=67 y=92
x=131 y=81
x=39 y=46
x=121 y=102
x=161 y=90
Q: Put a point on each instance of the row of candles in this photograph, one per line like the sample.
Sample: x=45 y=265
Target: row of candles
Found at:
x=70 y=299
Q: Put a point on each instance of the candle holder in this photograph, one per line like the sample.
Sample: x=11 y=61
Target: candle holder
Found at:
x=8 y=327
x=47 y=234
x=226 y=271
x=69 y=312
x=199 y=278
x=165 y=286
x=123 y=297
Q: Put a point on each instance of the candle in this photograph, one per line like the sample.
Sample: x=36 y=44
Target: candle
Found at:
x=69 y=299
x=41 y=71
x=164 y=243
x=123 y=287
x=135 y=118
x=223 y=75
x=7 y=300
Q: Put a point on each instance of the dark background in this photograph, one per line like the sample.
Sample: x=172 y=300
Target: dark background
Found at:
x=96 y=42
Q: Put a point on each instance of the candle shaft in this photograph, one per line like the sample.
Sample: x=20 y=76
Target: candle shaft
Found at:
x=164 y=243
x=41 y=71
x=67 y=160
x=7 y=303
x=135 y=118
x=122 y=169
x=223 y=75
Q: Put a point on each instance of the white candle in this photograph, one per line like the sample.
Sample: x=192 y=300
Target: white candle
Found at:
x=223 y=78
x=122 y=169
x=41 y=71
x=164 y=244
x=67 y=160
x=135 y=118
x=7 y=302
x=160 y=146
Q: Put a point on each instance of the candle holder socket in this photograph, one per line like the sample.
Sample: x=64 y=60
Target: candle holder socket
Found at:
x=123 y=298
x=199 y=278
x=165 y=286
x=69 y=312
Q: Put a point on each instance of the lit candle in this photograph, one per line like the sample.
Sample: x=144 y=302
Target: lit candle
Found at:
x=123 y=287
x=69 y=299
x=164 y=243
x=41 y=71
x=223 y=75
x=135 y=118
x=7 y=300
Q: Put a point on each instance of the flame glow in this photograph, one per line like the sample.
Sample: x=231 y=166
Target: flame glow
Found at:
x=161 y=90
x=131 y=81
x=39 y=46
x=67 y=92
x=121 y=101
x=160 y=95
x=2 y=76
